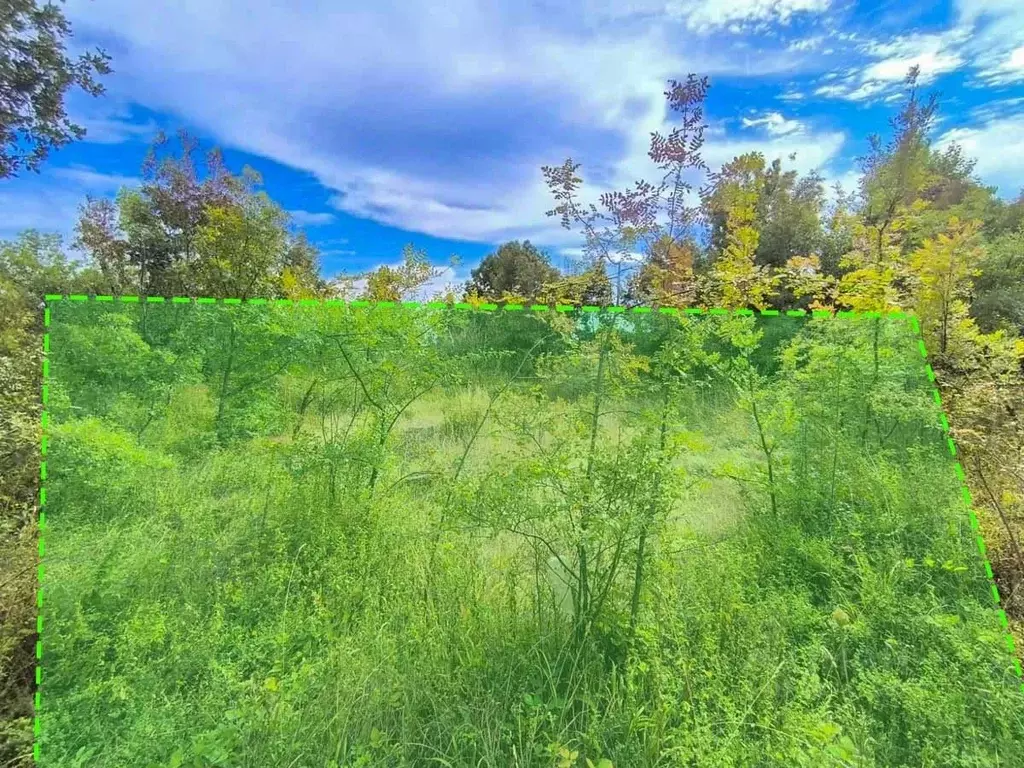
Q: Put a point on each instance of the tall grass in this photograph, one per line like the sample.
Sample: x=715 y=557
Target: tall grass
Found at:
x=258 y=602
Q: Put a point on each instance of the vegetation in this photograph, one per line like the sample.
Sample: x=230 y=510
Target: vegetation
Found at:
x=313 y=535
x=516 y=272
x=36 y=75
x=731 y=542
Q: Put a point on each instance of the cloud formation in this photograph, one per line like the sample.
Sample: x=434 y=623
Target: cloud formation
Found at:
x=430 y=119
x=774 y=124
x=998 y=146
x=435 y=118
x=310 y=219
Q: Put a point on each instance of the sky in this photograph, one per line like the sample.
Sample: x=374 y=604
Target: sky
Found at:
x=386 y=122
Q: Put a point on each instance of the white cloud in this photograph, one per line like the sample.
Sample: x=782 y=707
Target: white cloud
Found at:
x=108 y=121
x=995 y=46
x=889 y=62
x=866 y=90
x=812 y=151
x=112 y=130
x=995 y=110
x=1006 y=70
x=94 y=181
x=930 y=64
x=848 y=180
x=831 y=90
x=705 y=15
x=48 y=210
x=998 y=146
x=311 y=219
x=428 y=118
x=774 y=124
x=49 y=202
x=806 y=43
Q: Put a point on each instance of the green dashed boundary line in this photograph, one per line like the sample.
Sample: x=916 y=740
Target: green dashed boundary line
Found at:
x=968 y=502
x=44 y=424
x=465 y=306
x=484 y=307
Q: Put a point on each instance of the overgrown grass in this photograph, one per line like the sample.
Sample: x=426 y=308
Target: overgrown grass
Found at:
x=334 y=595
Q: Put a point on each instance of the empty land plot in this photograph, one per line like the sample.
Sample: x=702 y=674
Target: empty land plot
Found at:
x=331 y=536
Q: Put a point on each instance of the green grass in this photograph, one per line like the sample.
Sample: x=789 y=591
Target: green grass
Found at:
x=342 y=595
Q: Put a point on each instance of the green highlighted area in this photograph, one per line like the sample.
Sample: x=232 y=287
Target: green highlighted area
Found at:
x=326 y=536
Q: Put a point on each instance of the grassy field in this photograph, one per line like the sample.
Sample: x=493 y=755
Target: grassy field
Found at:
x=316 y=537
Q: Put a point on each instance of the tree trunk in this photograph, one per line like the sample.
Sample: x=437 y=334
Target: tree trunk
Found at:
x=583 y=585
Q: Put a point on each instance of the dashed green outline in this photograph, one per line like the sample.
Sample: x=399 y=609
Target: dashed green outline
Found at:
x=487 y=307
x=44 y=423
x=968 y=502
x=464 y=306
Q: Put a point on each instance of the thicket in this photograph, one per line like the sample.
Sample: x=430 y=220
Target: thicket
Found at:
x=330 y=536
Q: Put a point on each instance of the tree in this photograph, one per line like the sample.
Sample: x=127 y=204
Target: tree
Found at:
x=896 y=173
x=591 y=287
x=787 y=212
x=241 y=249
x=943 y=267
x=999 y=289
x=517 y=270
x=742 y=175
x=180 y=200
x=182 y=233
x=35 y=76
x=789 y=216
x=667 y=278
x=737 y=280
x=875 y=269
x=98 y=234
x=397 y=283
x=300 y=274
x=837 y=238
x=641 y=216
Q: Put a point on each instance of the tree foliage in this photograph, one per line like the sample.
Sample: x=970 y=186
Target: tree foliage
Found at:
x=187 y=233
x=517 y=271
x=36 y=74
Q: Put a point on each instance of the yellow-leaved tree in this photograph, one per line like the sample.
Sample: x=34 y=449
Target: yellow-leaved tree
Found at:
x=737 y=280
x=877 y=274
x=942 y=270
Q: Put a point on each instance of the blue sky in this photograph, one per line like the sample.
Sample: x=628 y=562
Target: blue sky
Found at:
x=395 y=121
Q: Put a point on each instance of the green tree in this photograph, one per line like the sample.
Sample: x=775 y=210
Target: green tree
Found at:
x=737 y=280
x=300 y=272
x=35 y=76
x=896 y=174
x=789 y=216
x=183 y=233
x=787 y=209
x=148 y=235
x=398 y=283
x=517 y=271
x=668 y=277
x=999 y=289
x=590 y=287
x=240 y=249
